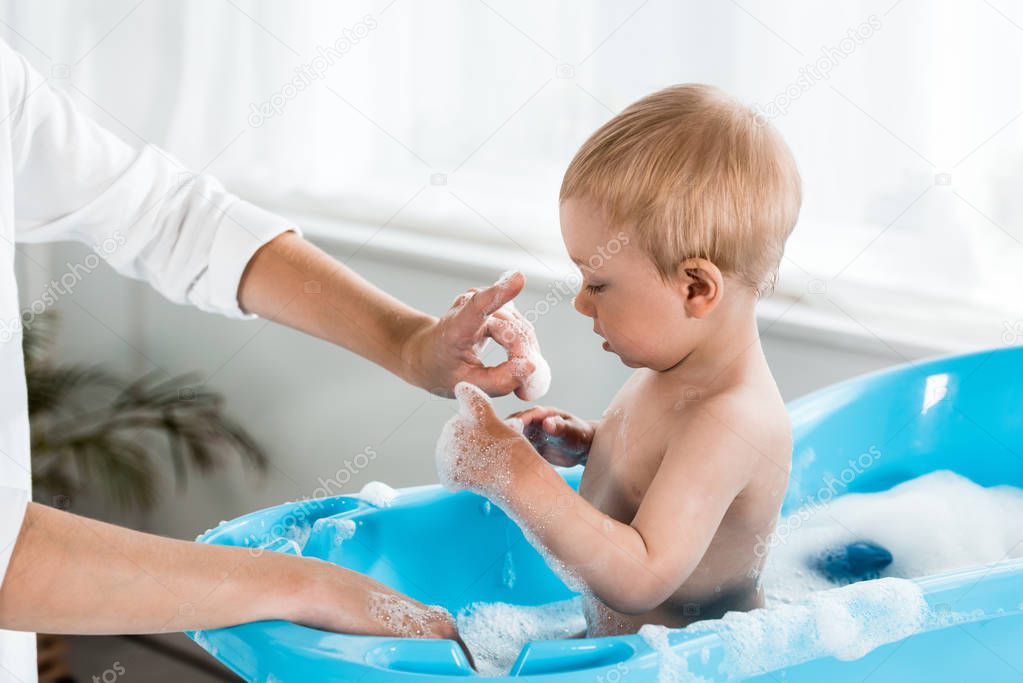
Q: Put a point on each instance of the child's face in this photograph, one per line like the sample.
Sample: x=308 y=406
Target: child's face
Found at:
x=642 y=318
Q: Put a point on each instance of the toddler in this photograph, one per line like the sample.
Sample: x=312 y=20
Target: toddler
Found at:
x=676 y=211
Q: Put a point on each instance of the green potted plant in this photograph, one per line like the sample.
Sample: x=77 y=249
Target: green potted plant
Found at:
x=95 y=428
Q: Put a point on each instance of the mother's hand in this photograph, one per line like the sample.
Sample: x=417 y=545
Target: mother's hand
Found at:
x=446 y=351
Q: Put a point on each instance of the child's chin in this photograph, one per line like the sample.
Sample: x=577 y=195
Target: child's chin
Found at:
x=631 y=363
x=626 y=361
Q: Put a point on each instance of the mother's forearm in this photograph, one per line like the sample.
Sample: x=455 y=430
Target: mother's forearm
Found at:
x=293 y=282
x=70 y=574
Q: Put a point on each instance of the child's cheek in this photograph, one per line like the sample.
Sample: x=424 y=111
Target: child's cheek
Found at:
x=645 y=332
x=628 y=330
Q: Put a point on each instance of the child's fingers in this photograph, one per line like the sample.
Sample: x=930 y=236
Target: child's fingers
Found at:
x=558 y=423
x=534 y=415
x=473 y=402
x=555 y=425
x=527 y=412
x=569 y=431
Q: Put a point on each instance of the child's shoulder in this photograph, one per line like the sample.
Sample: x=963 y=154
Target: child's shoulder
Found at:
x=749 y=417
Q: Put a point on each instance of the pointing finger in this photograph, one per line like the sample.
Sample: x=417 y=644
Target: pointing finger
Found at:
x=489 y=300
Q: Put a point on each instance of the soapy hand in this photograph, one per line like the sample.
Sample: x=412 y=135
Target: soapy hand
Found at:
x=476 y=447
x=512 y=330
x=336 y=599
x=561 y=438
x=447 y=351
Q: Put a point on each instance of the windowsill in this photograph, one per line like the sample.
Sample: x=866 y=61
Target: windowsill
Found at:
x=778 y=317
x=434 y=252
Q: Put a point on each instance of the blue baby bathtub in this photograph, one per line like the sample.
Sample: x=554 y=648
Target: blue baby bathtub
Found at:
x=962 y=413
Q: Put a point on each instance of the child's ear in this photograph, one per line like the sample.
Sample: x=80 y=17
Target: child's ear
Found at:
x=701 y=285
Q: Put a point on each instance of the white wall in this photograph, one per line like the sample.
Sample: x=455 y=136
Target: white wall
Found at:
x=312 y=405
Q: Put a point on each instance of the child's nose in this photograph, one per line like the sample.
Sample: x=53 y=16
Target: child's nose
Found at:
x=583 y=305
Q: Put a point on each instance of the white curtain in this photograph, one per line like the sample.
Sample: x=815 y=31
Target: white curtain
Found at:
x=457 y=117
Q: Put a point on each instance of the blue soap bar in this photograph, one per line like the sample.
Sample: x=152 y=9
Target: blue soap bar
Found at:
x=854 y=562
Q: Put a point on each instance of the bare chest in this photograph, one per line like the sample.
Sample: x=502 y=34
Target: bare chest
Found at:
x=624 y=457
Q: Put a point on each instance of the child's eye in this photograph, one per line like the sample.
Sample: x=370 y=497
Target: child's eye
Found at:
x=594 y=289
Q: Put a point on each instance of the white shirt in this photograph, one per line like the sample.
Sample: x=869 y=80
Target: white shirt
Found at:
x=63 y=177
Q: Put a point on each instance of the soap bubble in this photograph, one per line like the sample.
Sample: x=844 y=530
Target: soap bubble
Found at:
x=945 y=521
x=511 y=329
x=496 y=632
x=403 y=617
x=466 y=456
x=378 y=493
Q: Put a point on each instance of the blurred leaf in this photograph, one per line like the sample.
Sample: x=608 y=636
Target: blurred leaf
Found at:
x=93 y=428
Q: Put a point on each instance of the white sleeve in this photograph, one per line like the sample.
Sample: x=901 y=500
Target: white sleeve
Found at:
x=141 y=210
x=13 y=503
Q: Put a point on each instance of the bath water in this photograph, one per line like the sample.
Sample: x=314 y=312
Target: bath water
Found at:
x=495 y=632
x=937 y=522
x=934 y=523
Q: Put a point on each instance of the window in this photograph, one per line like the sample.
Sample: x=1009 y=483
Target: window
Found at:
x=457 y=118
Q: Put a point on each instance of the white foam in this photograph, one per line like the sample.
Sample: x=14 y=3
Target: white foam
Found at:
x=378 y=493
x=469 y=458
x=343 y=528
x=291 y=542
x=496 y=632
x=536 y=382
x=845 y=623
x=298 y=532
x=402 y=617
x=561 y=569
x=508 y=571
x=672 y=667
x=944 y=522
x=601 y=620
x=466 y=456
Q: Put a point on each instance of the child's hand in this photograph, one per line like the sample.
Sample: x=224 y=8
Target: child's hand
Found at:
x=475 y=449
x=561 y=438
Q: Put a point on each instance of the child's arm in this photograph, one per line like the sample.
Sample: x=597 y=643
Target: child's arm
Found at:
x=632 y=568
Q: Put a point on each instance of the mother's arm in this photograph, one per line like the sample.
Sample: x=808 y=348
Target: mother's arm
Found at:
x=292 y=282
x=151 y=218
x=70 y=574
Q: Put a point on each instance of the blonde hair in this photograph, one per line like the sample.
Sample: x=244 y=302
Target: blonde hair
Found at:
x=694 y=173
